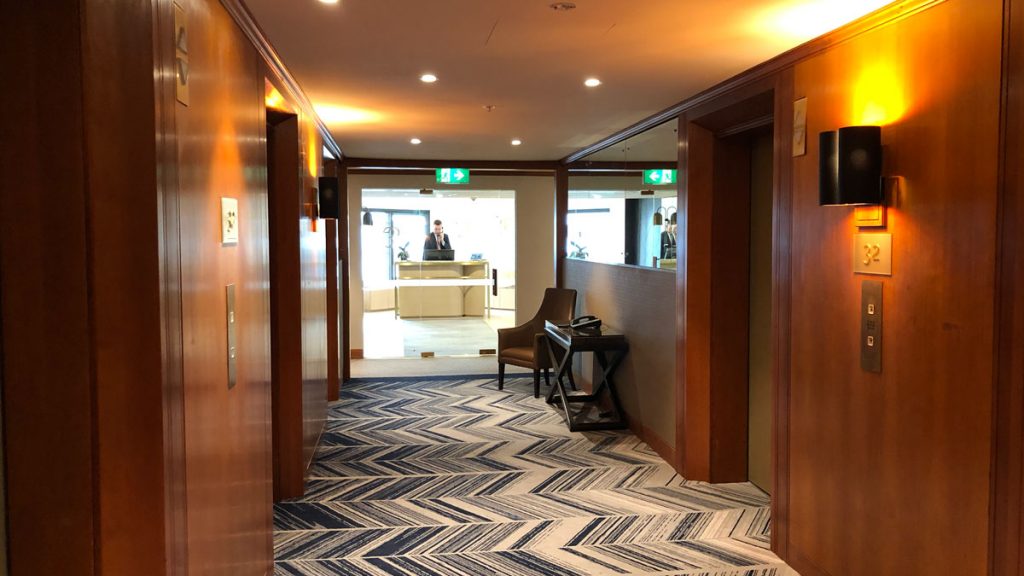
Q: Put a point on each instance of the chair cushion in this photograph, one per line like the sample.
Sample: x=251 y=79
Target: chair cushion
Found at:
x=518 y=354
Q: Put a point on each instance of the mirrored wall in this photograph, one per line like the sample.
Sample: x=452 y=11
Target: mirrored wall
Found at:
x=622 y=202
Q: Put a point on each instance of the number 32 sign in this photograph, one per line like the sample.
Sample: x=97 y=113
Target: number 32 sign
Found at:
x=872 y=254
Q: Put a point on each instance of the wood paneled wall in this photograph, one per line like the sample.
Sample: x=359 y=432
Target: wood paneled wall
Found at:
x=645 y=379
x=43 y=284
x=221 y=154
x=890 y=472
x=79 y=278
x=886 y=473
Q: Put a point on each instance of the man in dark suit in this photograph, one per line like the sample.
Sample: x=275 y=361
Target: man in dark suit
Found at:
x=438 y=240
x=668 y=242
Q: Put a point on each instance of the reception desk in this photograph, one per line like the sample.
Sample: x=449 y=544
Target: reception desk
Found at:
x=441 y=288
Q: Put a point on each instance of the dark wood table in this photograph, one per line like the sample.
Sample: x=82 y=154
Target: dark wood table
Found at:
x=609 y=348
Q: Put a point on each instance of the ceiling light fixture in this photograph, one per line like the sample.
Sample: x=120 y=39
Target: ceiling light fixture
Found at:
x=428 y=78
x=328 y=1
x=415 y=141
x=591 y=82
x=563 y=6
x=516 y=141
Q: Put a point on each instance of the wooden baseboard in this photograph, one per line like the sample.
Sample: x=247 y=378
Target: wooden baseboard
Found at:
x=666 y=452
x=804 y=566
x=357 y=354
x=660 y=446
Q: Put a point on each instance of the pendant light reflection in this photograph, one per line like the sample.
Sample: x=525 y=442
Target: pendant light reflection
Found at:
x=661 y=214
x=367 y=218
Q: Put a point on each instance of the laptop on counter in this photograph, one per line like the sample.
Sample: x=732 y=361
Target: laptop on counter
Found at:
x=435 y=254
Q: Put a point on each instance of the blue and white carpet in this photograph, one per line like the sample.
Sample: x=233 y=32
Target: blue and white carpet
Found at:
x=453 y=477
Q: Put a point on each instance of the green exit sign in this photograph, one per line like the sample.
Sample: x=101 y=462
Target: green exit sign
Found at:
x=656 y=177
x=453 y=175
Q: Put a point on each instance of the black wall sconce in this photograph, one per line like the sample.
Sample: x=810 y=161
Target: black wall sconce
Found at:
x=367 y=218
x=850 y=166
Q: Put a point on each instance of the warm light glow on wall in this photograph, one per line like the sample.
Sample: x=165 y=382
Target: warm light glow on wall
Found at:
x=802 y=20
x=346 y=115
x=313 y=147
x=878 y=95
x=274 y=99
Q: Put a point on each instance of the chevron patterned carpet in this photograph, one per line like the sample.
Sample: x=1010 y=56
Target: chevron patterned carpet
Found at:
x=452 y=477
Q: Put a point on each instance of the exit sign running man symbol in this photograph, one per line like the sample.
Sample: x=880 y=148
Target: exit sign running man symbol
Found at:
x=452 y=175
x=657 y=177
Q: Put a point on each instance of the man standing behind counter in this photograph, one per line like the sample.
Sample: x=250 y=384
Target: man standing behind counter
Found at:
x=438 y=240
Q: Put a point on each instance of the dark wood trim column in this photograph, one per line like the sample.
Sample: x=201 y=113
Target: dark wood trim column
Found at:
x=176 y=514
x=285 y=304
x=713 y=283
x=44 y=282
x=782 y=279
x=343 y=264
x=561 y=222
x=335 y=349
x=693 y=435
x=1008 y=450
x=333 y=328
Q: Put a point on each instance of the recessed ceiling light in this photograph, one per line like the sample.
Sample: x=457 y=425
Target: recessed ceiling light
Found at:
x=415 y=141
x=563 y=6
x=591 y=82
x=516 y=141
x=328 y=1
x=428 y=78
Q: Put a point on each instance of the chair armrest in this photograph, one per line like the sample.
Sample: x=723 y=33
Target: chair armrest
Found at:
x=515 y=337
x=541 y=359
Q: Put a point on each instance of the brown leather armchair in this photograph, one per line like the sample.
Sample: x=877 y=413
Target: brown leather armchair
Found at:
x=524 y=345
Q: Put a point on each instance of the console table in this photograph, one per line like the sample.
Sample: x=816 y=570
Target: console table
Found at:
x=609 y=347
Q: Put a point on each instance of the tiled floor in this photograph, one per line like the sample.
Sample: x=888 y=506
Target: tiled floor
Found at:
x=450 y=476
x=385 y=336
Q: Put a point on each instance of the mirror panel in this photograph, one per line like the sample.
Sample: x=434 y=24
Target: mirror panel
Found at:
x=614 y=217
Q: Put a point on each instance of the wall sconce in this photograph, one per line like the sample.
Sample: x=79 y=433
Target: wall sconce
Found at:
x=367 y=218
x=850 y=166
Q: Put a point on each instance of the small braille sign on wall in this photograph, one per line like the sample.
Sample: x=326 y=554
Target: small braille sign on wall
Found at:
x=180 y=55
x=228 y=221
x=800 y=127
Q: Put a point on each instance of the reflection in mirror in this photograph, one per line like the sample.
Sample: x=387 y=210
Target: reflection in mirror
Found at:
x=622 y=202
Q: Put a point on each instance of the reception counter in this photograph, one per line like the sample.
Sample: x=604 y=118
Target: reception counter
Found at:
x=434 y=289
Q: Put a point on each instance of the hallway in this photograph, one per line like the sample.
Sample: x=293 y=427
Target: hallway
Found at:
x=447 y=475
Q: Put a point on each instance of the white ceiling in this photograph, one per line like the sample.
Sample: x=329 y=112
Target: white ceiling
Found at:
x=359 y=61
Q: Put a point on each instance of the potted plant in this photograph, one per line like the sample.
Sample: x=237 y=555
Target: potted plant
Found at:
x=579 y=252
x=403 y=252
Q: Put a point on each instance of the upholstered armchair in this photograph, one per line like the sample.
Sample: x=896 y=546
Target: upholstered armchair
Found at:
x=524 y=345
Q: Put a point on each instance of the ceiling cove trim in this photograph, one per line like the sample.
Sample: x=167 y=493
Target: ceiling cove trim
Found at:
x=506 y=165
x=243 y=17
x=608 y=165
x=430 y=173
x=881 y=17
